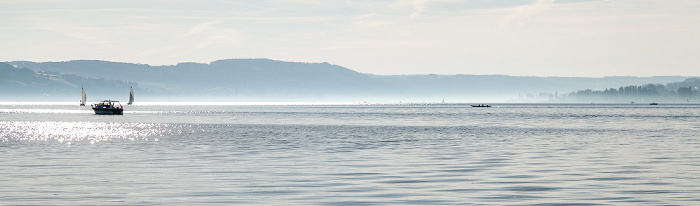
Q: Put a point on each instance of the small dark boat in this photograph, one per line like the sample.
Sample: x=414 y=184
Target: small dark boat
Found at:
x=481 y=105
x=108 y=107
x=654 y=103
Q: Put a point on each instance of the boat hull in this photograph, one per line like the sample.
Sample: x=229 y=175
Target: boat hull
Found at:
x=108 y=111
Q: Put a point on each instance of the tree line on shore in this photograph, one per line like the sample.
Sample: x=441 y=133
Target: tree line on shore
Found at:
x=685 y=91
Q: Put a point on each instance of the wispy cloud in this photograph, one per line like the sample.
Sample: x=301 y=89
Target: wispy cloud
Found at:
x=519 y=15
x=368 y=20
x=418 y=7
x=202 y=28
x=208 y=34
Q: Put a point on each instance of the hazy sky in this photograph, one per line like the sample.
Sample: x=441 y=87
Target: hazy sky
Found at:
x=513 y=37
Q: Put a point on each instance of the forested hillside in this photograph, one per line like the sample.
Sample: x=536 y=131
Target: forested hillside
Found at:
x=271 y=80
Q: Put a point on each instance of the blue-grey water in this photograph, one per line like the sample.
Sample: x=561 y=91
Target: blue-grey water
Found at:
x=434 y=154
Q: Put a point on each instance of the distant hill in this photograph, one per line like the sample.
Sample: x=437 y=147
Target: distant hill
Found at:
x=230 y=80
x=270 y=80
x=22 y=84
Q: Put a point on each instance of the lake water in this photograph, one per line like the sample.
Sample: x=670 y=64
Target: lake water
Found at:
x=355 y=154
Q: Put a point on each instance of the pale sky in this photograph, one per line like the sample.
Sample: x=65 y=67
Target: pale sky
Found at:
x=591 y=38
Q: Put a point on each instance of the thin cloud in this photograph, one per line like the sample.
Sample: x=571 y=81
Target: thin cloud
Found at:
x=208 y=34
x=201 y=28
x=418 y=7
x=520 y=14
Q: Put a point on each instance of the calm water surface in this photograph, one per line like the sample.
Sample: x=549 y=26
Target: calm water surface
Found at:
x=441 y=154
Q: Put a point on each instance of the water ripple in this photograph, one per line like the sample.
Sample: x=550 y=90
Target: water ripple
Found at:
x=335 y=155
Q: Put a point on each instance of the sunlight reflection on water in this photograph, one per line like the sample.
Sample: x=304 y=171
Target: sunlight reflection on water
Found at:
x=67 y=132
x=45 y=111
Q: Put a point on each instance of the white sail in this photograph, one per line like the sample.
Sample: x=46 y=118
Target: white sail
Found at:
x=131 y=96
x=82 y=101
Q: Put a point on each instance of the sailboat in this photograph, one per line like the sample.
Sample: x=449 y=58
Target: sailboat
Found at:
x=82 y=101
x=131 y=96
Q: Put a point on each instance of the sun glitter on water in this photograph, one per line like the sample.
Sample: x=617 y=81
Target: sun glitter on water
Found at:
x=68 y=132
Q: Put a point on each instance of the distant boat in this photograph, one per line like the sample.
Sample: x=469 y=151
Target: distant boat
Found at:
x=131 y=96
x=654 y=103
x=108 y=107
x=82 y=101
x=481 y=105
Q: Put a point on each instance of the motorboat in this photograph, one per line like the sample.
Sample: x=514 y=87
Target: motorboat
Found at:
x=481 y=105
x=109 y=107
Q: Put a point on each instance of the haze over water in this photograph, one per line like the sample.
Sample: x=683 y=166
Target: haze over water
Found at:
x=351 y=154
